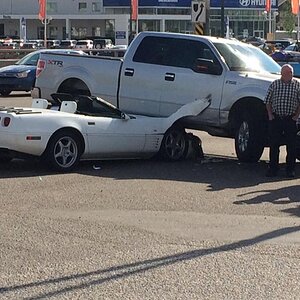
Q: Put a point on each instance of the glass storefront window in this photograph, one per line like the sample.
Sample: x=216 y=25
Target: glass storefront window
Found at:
x=149 y=25
x=51 y=7
x=179 y=26
x=110 y=28
x=96 y=6
x=78 y=32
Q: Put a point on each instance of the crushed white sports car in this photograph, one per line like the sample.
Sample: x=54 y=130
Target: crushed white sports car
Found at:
x=88 y=128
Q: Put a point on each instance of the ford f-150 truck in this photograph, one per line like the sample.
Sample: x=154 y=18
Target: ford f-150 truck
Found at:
x=162 y=71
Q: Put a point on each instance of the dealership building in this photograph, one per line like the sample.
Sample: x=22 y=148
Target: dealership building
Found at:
x=78 y=19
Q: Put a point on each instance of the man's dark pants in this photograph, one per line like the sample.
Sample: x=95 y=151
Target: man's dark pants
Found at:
x=282 y=129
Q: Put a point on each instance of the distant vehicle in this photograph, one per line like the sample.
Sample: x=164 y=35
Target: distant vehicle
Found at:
x=280 y=44
x=293 y=47
x=84 y=44
x=21 y=76
x=254 y=40
x=103 y=43
x=28 y=45
x=68 y=44
x=53 y=44
x=11 y=45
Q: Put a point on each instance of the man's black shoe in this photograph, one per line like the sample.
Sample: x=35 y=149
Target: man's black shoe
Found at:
x=271 y=173
x=290 y=174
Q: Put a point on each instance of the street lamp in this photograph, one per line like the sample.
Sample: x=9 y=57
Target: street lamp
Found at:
x=46 y=21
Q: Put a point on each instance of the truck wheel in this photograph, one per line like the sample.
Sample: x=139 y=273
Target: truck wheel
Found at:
x=249 y=143
x=174 y=145
x=63 y=151
x=5 y=93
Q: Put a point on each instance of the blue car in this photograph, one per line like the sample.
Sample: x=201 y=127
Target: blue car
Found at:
x=21 y=76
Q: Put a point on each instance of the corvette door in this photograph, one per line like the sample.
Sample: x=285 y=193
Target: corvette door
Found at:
x=113 y=137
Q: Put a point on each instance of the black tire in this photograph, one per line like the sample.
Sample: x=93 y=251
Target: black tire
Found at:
x=174 y=145
x=5 y=93
x=63 y=151
x=249 y=139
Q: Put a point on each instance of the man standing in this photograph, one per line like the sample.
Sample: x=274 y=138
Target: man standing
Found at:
x=283 y=107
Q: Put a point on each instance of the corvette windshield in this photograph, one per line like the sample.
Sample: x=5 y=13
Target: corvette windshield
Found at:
x=241 y=57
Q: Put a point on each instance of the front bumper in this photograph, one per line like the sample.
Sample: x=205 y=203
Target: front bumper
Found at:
x=16 y=84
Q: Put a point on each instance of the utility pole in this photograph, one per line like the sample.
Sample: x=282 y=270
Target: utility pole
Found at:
x=222 y=19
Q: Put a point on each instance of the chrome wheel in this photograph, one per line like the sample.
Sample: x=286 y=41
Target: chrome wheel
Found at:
x=65 y=152
x=243 y=136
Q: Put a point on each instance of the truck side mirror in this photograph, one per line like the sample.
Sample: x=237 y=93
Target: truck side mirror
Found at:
x=207 y=66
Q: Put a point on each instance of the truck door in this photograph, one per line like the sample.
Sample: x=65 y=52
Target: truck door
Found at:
x=183 y=83
x=142 y=77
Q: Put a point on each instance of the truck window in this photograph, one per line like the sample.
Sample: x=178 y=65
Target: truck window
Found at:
x=243 y=57
x=173 y=52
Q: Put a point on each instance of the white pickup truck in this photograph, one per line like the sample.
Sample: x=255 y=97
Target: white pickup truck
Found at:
x=162 y=71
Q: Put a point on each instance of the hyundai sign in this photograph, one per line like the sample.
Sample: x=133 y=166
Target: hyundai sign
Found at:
x=241 y=4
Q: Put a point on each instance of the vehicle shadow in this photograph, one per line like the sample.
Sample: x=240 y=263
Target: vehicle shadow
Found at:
x=219 y=172
x=281 y=196
x=76 y=282
x=13 y=95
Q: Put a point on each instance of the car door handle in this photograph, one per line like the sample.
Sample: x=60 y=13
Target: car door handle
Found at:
x=129 y=72
x=169 y=76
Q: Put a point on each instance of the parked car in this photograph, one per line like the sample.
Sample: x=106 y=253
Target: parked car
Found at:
x=280 y=44
x=28 y=45
x=285 y=56
x=68 y=44
x=53 y=44
x=98 y=130
x=21 y=76
x=84 y=44
x=103 y=43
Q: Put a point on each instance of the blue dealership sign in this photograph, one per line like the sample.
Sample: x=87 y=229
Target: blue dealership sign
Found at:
x=241 y=4
x=172 y=3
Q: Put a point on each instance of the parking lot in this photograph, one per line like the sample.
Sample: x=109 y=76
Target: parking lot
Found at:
x=148 y=229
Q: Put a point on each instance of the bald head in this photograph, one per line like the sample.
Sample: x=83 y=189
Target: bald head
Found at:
x=287 y=73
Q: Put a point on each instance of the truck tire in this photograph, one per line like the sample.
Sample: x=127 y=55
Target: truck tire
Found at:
x=174 y=145
x=249 y=139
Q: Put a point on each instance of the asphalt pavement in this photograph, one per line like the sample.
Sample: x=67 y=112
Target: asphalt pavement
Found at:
x=148 y=229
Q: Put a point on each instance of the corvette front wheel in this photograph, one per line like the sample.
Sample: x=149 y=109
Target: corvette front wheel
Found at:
x=63 y=151
x=174 y=145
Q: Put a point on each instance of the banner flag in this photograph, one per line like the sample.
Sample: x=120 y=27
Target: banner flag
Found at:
x=134 y=9
x=42 y=9
x=268 y=5
x=295 y=6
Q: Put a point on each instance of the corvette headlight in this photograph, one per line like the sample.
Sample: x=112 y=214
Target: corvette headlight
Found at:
x=23 y=74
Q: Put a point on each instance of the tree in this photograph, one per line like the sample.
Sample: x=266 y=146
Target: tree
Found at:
x=288 y=19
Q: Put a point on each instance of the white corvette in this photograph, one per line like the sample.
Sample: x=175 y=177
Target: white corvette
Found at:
x=89 y=128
